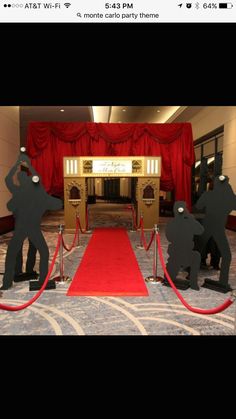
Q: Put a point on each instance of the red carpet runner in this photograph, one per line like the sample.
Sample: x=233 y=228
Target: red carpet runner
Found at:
x=108 y=267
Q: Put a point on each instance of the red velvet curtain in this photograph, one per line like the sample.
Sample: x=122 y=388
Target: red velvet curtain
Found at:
x=49 y=142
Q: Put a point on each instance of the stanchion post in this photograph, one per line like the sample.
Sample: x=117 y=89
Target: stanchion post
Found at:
x=78 y=243
x=140 y=245
x=132 y=226
x=88 y=230
x=141 y=219
x=154 y=278
x=155 y=253
x=61 y=278
x=61 y=254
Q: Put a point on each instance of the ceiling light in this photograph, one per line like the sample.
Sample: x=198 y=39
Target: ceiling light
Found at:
x=101 y=113
x=158 y=110
x=123 y=110
x=62 y=110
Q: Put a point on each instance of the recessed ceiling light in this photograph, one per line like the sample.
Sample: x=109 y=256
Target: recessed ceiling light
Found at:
x=123 y=110
x=158 y=110
x=62 y=110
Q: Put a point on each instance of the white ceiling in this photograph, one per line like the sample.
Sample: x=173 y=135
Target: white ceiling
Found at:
x=53 y=114
x=113 y=114
x=148 y=114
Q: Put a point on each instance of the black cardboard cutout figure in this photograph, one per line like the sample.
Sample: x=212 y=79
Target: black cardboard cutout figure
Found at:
x=30 y=262
x=218 y=204
x=180 y=232
x=212 y=250
x=28 y=204
x=31 y=255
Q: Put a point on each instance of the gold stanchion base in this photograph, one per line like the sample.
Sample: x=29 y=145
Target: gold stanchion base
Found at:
x=88 y=231
x=233 y=294
x=140 y=246
x=79 y=245
x=153 y=279
x=64 y=278
x=132 y=231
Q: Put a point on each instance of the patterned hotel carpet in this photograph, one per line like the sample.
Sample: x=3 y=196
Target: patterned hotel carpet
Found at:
x=159 y=314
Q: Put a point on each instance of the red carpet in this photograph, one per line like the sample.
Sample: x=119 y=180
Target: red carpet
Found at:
x=108 y=267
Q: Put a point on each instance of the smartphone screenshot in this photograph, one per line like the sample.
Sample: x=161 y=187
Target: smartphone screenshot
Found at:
x=101 y=11
x=117 y=168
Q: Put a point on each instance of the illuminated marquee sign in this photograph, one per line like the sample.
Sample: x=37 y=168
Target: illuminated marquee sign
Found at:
x=90 y=166
x=111 y=166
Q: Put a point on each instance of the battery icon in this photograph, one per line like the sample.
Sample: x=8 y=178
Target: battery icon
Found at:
x=225 y=5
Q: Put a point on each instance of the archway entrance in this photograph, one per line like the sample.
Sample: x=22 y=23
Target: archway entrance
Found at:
x=145 y=172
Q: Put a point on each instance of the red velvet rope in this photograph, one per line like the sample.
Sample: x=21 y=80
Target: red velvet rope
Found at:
x=145 y=245
x=134 y=217
x=215 y=310
x=68 y=249
x=32 y=300
x=82 y=231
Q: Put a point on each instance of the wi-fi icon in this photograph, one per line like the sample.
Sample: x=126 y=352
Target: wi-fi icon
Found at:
x=67 y=5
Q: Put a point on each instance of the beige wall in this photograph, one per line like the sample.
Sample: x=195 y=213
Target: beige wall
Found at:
x=9 y=149
x=124 y=186
x=212 y=117
x=99 y=186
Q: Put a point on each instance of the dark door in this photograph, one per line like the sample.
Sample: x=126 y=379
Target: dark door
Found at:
x=112 y=189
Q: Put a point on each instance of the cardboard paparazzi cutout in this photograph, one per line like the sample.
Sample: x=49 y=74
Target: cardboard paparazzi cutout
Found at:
x=180 y=233
x=217 y=203
x=28 y=204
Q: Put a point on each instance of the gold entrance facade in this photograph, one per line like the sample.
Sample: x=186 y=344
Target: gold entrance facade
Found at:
x=146 y=170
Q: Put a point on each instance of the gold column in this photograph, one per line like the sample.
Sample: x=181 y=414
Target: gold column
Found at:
x=75 y=206
x=147 y=195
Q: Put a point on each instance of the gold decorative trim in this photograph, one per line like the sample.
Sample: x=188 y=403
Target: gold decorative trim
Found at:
x=87 y=166
x=74 y=202
x=137 y=166
x=149 y=201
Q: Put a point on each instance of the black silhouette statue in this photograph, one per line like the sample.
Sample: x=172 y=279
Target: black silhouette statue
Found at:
x=28 y=204
x=212 y=250
x=30 y=264
x=218 y=203
x=180 y=233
